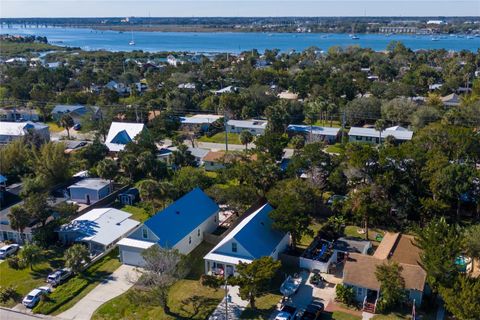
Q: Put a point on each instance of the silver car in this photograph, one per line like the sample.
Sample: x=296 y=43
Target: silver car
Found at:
x=8 y=250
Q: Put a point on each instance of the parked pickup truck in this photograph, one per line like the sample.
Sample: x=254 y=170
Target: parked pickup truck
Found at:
x=59 y=276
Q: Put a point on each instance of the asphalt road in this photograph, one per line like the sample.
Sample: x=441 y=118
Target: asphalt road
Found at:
x=8 y=314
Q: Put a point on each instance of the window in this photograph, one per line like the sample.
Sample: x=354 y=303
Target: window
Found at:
x=358 y=137
x=189 y=240
x=145 y=233
x=234 y=247
x=215 y=219
x=198 y=232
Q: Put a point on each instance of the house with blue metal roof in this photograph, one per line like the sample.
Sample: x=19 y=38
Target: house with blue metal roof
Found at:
x=253 y=238
x=180 y=226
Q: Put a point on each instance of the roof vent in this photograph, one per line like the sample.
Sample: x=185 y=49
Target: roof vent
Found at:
x=263 y=224
x=178 y=212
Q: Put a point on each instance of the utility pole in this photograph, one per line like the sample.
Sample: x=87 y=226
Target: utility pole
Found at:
x=225 y=120
x=226 y=298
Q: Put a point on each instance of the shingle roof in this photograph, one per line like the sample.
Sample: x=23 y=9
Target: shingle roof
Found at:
x=181 y=217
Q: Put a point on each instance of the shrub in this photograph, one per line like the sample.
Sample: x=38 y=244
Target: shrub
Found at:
x=15 y=263
x=210 y=281
x=345 y=294
x=7 y=293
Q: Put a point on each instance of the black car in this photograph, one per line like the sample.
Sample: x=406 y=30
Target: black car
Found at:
x=313 y=311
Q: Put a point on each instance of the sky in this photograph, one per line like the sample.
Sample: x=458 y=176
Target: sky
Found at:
x=236 y=8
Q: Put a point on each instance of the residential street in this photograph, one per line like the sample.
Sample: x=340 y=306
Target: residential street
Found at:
x=119 y=282
x=8 y=314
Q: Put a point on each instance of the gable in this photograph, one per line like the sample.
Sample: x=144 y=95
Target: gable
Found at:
x=121 y=138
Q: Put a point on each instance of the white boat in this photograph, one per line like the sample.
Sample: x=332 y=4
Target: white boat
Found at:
x=354 y=37
x=132 y=42
x=290 y=285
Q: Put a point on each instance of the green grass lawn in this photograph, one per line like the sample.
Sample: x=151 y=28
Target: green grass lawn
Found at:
x=188 y=299
x=333 y=124
x=233 y=138
x=138 y=213
x=352 y=231
x=338 y=315
x=54 y=127
x=25 y=280
x=68 y=294
x=307 y=239
x=335 y=148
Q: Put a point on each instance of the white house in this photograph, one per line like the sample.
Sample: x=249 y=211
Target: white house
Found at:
x=251 y=239
x=451 y=100
x=121 y=133
x=370 y=135
x=315 y=133
x=256 y=127
x=100 y=229
x=89 y=190
x=13 y=130
x=180 y=226
x=199 y=121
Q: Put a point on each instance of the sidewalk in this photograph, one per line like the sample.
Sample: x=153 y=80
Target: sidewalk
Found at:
x=235 y=306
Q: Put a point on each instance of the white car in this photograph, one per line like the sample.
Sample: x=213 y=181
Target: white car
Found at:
x=33 y=297
x=8 y=250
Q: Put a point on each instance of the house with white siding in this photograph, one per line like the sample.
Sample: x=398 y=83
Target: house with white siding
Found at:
x=255 y=127
x=371 y=135
x=10 y=131
x=180 y=226
x=253 y=238
x=89 y=190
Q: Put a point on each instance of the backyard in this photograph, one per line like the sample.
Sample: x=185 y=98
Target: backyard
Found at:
x=68 y=294
x=188 y=299
x=25 y=280
x=233 y=138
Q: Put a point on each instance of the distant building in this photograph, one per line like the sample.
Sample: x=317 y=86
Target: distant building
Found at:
x=436 y=22
x=315 y=133
x=18 y=114
x=256 y=127
x=370 y=135
x=187 y=86
x=229 y=89
x=10 y=131
x=287 y=95
x=398 y=30
x=451 y=100
x=121 y=133
x=199 y=121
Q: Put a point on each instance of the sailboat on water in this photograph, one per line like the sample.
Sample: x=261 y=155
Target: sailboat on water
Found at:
x=132 y=42
x=353 y=36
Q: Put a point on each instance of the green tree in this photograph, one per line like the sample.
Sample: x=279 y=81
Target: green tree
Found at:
x=93 y=152
x=368 y=203
x=37 y=206
x=163 y=267
x=31 y=255
x=246 y=137
x=51 y=163
x=128 y=163
x=149 y=191
x=183 y=157
x=107 y=169
x=392 y=284
x=76 y=257
x=472 y=241
x=441 y=243
x=253 y=278
x=462 y=299
x=345 y=294
x=293 y=200
x=19 y=219
x=66 y=121
x=272 y=144
x=380 y=125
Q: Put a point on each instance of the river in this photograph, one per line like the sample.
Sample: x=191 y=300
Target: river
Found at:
x=234 y=42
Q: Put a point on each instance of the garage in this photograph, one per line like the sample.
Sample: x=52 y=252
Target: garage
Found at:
x=131 y=251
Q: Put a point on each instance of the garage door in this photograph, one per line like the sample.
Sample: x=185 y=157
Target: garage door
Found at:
x=131 y=256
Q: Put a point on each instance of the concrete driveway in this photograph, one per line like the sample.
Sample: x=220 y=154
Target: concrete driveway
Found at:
x=117 y=283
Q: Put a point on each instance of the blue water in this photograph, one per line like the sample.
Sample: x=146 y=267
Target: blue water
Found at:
x=233 y=42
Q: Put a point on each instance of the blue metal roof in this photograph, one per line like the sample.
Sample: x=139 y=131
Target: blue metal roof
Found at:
x=181 y=217
x=258 y=236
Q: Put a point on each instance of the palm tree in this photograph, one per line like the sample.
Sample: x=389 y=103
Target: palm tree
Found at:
x=19 y=219
x=66 y=121
x=380 y=125
x=246 y=137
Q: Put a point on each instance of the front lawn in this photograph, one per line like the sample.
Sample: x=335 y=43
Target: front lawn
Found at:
x=353 y=232
x=338 y=315
x=335 y=148
x=68 y=294
x=233 y=138
x=25 y=280
x=187 y=299
x=54 y=127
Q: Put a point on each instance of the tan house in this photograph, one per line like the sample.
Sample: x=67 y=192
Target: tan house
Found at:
x=359 y=270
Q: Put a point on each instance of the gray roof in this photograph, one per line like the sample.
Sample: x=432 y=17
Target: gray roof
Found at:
x=351 y=245
x=248 y=124
x=316 y=130
x=198 y=152
x=65 y=108
x=91 y=183
x=397 y=132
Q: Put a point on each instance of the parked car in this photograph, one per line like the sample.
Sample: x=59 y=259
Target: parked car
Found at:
x=77 y=127
x=59 y=276
x=336 y=197
x=287 y=313
x=8 y=250
x=313 y=311
x=33 y=297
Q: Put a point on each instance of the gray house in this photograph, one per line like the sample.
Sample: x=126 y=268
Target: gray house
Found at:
x=89 y=190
